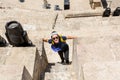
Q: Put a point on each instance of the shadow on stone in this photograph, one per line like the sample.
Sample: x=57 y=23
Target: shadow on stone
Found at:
x=65 y=63
x=42 y=76
x=3 y=42
x=49 y=67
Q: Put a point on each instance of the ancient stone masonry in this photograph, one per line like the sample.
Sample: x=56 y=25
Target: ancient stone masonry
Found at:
x=94 y=55
x=23 y=63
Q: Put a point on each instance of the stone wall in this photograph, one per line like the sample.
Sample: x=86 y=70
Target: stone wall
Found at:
x=97 y=58
x=41 y=62
x=22 y=63
x=75 y=62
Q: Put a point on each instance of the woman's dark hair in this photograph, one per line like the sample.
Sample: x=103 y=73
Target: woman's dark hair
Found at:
x=54 y=31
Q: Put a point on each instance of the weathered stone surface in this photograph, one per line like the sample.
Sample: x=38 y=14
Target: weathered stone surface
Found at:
x=25 y=4
x=94 y=49
x=22 y=57
x=60 y=72
x=39 y=21
x=6 y=72
x=28 y=62
x=99 y=37
x=100 y=49
x=4 y=53
x=102 y=71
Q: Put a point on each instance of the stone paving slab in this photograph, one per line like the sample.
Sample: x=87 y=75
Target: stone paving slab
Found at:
x=60 y=76
x=102 y=71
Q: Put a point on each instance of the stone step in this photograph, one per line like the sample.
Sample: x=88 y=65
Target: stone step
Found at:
x=60 y=76
x=61 y=68
x=59 y=71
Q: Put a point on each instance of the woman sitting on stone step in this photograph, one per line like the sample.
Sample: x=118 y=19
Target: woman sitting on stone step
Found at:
x=59 y=45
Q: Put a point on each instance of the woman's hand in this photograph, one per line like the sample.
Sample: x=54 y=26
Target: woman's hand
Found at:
x=45 y=40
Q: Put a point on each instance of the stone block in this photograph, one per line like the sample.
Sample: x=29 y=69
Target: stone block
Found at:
x=14 y=72
x=22 y=56
x=27 y=62
x=10 y=72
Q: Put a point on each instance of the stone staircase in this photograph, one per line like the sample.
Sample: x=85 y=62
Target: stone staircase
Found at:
x=60 y=72
x=56 y=70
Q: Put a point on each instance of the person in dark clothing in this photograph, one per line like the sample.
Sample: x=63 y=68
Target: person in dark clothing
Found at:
x=59 y=45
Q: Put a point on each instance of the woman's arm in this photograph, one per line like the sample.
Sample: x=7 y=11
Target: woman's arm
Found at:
x=71 y=37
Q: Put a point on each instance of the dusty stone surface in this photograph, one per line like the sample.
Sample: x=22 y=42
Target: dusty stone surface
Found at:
x=60 y=72
x=13 y=61
x=4 y=54
x=7 y=71
x=25 y=57
x=98 y=71
x=99 y=37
